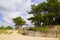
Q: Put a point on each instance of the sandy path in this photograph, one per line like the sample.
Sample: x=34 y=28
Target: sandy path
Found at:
x=15 y=36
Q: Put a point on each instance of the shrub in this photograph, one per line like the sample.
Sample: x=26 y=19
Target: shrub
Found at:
x=8 y=27
x=2 y=27
x=44 y=29
x=31 y=29
x=23 y=32
x=37 y=28
x=34 y=29
x=5 y=28
x=41 y=29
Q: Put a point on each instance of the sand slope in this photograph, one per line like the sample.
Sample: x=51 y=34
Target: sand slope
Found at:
x=15 y=36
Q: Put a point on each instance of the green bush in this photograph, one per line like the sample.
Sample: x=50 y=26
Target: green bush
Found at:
x=31 y=29
x=8 y=27
x=44 y=29
x=2 y=27
x=41 y=29
x=34 y=29
x=37 y=28
x=5 y=28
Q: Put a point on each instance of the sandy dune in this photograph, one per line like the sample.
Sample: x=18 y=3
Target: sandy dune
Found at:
x=15 y=36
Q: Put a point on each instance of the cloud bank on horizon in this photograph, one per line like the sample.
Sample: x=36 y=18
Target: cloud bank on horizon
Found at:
x=10 y=9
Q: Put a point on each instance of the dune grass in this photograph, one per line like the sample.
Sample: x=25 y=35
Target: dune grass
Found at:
x=5 y=32
x=22 y=31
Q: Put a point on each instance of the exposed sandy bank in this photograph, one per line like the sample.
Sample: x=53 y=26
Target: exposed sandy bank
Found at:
x=16 y=36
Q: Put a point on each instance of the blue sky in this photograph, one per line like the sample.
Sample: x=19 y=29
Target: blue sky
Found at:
x=10 y=9
x=38 y=1
x=1 y=16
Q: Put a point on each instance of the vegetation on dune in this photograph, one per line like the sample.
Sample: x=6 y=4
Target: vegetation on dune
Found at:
x=5 y=32
x=8 y=27
x=22 y=31
x=46 y=13
x=41 y=29
x=19 y=22
x=5 y=28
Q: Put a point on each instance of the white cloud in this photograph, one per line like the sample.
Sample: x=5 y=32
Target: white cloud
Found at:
x=9 y=5
x=13 y=8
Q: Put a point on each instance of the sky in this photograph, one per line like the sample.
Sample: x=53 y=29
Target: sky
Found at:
x=10 y=9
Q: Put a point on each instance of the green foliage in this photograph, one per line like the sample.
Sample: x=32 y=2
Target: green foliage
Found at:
x=31 y=29
x=19 y=21
x=41 y=29
x=44 y=29
x=2 y=27
x=46 y=12
x=5 y=28
x=8 y=27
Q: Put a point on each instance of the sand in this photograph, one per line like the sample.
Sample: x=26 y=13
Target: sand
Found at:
x=16 y=36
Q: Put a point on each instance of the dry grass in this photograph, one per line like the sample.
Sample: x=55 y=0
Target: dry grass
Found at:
x=22 y=31
x=5 y=32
